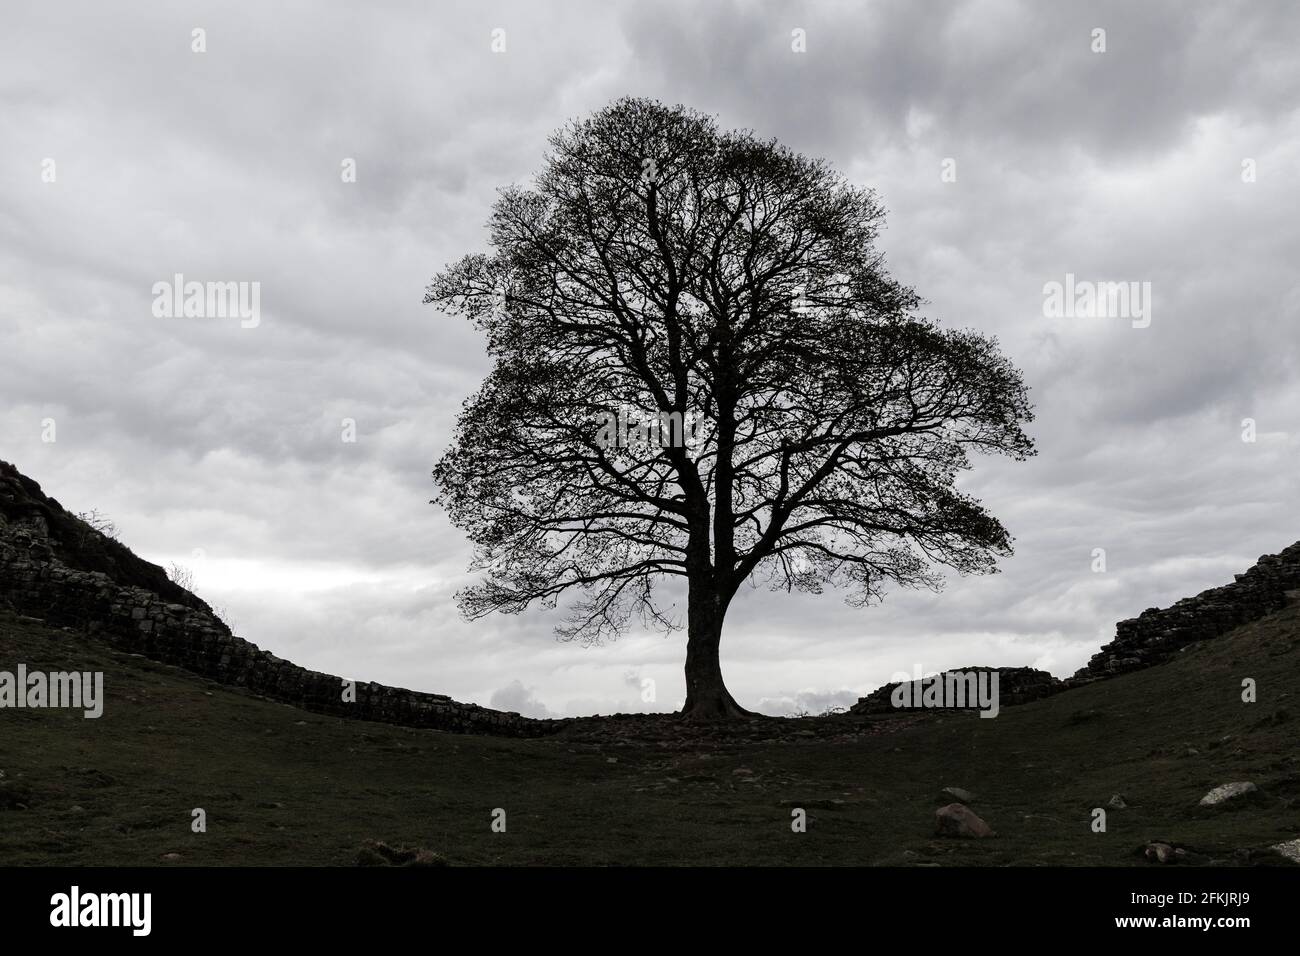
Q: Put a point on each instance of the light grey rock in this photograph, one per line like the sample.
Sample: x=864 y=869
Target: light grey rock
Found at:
x=1225 y=792
x=1290 y=850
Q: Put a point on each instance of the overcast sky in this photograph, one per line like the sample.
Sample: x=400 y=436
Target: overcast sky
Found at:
x=1171 y=158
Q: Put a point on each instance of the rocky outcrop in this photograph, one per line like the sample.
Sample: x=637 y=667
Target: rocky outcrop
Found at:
x=1156 y=635
x=164 y=622
x=58 y=535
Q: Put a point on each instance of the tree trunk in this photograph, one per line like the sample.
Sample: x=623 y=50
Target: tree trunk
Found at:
x=707 y=697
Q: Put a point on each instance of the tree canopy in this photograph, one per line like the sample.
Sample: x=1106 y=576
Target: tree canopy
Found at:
x=659 y=266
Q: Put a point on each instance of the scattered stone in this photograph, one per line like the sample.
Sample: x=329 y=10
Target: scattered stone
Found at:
x=171 y=856
x=1227 y=792
x=949 y=794
x=958 y=820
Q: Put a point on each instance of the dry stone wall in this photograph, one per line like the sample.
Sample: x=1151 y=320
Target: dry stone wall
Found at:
x=1016 y=685
x=1153 y=636
x=35 y=581
x=54 y=568
x=1156 y=635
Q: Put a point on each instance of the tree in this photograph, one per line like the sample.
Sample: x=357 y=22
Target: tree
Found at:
x=659 y=270
x=98 y=522
x=182 y=577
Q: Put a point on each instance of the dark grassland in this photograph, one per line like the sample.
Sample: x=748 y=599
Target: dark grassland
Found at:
x=282 y=786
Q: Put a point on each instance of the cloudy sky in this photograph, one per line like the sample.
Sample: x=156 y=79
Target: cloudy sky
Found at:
x=1171 y=158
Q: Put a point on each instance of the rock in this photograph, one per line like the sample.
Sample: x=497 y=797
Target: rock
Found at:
x=1227 y=792
x=1290 y=850
x=1163 y=853
x=949 y=794
x=377 y=853
x=171 y=856
x=1117 y=802
x=958 y=820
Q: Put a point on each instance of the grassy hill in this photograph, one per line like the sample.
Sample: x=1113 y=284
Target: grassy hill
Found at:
x=283 y=786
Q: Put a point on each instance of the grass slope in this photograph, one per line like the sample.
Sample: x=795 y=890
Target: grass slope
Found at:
x=281 y=786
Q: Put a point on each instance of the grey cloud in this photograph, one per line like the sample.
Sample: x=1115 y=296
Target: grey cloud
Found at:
x=198 y=434
x=1009 y=75
x=807 y=703
x=519 y=699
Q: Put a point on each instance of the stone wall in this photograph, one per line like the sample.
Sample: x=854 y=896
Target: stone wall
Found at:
x=52 y=566
x=1016 y=685
x=182 y=630
x=1155 y=635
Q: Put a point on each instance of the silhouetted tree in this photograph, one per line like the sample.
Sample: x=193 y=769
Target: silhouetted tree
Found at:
x=661 y=269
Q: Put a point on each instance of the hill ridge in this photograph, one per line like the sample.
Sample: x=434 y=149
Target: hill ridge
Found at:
x=164 y=622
